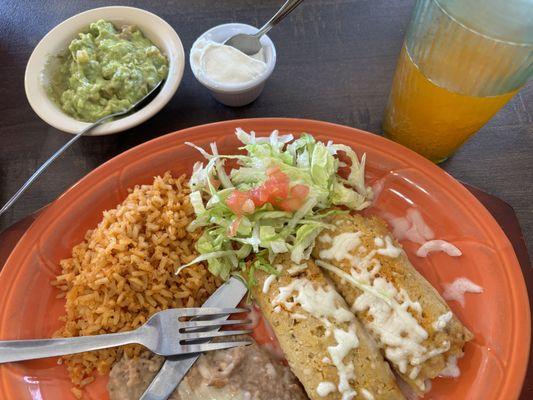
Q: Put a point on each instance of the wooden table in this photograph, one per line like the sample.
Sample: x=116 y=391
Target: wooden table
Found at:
x=335 y=63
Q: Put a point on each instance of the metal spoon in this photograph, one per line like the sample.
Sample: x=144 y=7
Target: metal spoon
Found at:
x=250 y=44
x=45 y=165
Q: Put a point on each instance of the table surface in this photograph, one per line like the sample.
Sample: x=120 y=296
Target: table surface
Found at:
x=335 y=63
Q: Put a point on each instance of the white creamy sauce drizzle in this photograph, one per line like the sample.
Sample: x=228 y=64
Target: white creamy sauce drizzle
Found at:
x=325 y=238
x=325 y=388
x=389 y=250
x=346 y=342
x=318 y=302
x=325 y=303
x=393 y=324
x=442 y=321
x=298 y=316
x=452 y=369
x=326 y=360
x=296 y=269
x=366 y=394
x=411 y=227
x=457 y=289
x=268 y=281
x=438 y=245
x=341 y=246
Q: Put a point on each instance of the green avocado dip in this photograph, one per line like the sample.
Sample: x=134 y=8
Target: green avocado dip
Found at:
x=104 y=71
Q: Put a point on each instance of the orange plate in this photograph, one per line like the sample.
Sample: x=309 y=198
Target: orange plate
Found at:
x=495 y=362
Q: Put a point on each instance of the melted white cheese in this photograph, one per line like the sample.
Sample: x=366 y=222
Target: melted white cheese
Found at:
x=390 y=250
x=296 y=269
x=325 y=303
x=457 y=289
x=452 y=369
x=298 y=316
x=268 y=281
x=319 y=302
x=397 y=330
x=341 y=246
x=325 y=388
x=392 y=323
x=438 y=245
x=367 y=395
x=411 y=227
x=325 y=238
x=442 y=321
x=346 y=342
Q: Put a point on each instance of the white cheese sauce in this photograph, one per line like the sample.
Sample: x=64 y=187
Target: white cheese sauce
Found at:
x=392 y=321
x=411 y=227
x=296 y=269
x=325 y=303
x=346 y=342
x=438 y=245
x=452 y=369
x=325 y=388
x=366 y=394
x=389 y=250
x=442 y=321
x=457 y=289
x=319 y=302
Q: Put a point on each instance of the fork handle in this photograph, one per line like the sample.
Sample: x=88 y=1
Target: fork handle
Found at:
x=285 y=10
x=20 y=350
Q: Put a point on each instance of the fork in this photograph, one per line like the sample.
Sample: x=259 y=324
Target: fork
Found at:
x=164 y=334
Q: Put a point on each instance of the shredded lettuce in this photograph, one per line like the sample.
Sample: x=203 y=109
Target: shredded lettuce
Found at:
x=228 y=239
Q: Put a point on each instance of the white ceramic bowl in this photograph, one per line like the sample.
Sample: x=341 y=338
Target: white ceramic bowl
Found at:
x=58 y=39
x=236 y=95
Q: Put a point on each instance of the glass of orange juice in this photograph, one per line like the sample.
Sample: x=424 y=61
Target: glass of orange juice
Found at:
x=461 y=61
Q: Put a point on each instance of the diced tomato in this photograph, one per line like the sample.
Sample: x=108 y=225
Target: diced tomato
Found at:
x=290 y=204
x=275 y=190
x=248 y=207
x=236 y=200
x=299 y=191
x=259 y=195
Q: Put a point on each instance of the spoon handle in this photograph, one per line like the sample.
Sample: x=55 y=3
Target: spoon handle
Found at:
x=47 y=163
x=285 y=10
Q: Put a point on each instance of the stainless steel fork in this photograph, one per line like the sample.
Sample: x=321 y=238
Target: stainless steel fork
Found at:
x=164 y=334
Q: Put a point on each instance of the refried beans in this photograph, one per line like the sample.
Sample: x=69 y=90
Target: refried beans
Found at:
x=247 y=373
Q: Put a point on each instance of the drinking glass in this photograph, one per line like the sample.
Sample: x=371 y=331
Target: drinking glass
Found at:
x=461 y=61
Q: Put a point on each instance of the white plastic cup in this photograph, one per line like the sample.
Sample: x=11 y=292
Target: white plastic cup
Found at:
x=235 y=94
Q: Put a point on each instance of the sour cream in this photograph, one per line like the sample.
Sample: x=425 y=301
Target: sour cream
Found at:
x=225 y=65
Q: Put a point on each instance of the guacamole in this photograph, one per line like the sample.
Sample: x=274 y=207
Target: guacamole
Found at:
x=104 y=71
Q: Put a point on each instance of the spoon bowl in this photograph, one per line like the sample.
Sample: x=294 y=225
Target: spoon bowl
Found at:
x=250 y=44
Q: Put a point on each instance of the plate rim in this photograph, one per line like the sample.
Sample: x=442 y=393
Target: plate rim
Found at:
x=513 y=382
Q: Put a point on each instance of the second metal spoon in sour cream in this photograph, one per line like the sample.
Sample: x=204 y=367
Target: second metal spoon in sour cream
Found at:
x=250 y=44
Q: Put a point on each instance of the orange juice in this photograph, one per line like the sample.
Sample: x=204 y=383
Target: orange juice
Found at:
x=431 y=119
